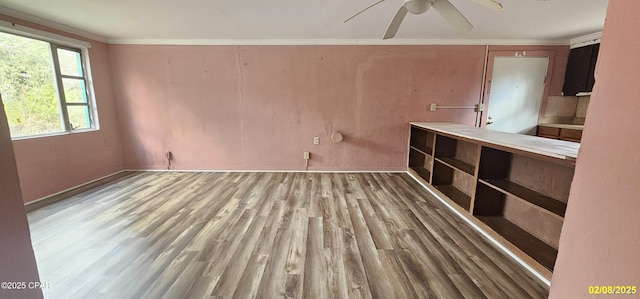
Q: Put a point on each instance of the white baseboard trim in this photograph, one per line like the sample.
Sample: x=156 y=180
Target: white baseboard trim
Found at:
x=485 y=234
x=69 y=189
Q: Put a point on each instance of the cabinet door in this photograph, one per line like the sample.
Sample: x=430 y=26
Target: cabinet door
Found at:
x=577 y=72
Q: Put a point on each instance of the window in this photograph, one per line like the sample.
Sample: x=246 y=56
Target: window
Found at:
x=44 y=87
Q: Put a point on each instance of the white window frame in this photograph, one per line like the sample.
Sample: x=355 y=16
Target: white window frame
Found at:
x=62 y=42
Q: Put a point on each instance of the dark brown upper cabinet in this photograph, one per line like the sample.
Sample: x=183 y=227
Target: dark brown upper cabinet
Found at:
x=580 y=69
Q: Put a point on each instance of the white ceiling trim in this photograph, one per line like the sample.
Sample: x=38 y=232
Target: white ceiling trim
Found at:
x=338 y=42
x=50 y=24
x=6 y=26
x=586 y=40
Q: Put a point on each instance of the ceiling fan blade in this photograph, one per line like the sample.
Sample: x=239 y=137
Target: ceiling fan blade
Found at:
x=493 y=4
x=370 y=6
x=395 y=23
x=459 y=23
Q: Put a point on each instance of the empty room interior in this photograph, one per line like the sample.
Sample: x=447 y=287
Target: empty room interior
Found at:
x=320 y=149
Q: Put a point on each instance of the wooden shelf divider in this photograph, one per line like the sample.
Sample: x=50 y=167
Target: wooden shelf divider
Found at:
x=550 y=204
x=422 y=149
x=457 y=164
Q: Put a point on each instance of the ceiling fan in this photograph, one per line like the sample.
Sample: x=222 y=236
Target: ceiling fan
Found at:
x=459 y=23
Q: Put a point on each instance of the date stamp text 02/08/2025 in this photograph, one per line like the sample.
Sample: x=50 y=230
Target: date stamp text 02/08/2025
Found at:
x=613 y=290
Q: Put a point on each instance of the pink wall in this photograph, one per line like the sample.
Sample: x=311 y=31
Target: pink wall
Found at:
x=259 y=107
x=52 y=164
x=600 y=241
x=17 y=262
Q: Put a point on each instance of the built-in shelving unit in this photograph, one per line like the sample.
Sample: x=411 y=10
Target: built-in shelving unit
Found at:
x=513 y=186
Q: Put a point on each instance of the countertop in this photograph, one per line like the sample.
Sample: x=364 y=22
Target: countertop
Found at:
x=558 y=149
x=563 y=126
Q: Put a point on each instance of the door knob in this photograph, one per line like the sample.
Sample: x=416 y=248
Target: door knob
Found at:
x=489 y=120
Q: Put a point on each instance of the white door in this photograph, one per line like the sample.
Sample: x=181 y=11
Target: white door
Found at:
x=517 y=87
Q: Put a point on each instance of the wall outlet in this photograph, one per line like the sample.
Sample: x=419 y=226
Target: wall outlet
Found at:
x=433 y=107
x=306 y=155
x=316 y=140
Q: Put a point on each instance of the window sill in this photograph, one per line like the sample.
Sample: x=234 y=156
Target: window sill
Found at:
x=53 y=134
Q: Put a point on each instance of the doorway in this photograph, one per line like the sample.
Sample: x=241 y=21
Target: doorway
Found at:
x=516 y=85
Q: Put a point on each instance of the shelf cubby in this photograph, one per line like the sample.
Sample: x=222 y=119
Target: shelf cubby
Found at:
x=546 y=178
x=540 y=183
x=453 y=183
x=494 y=164
x=488 y=201
x=421 y=152
x=538 y=222
x=526 y=228
x=420 y=163
x=456 y=153
x=423 y=173
x=457 y=196
x=422 y=141
x=550 y=204
x=529 y=244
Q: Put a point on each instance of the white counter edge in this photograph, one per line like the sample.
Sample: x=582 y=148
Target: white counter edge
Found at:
x=559 y=149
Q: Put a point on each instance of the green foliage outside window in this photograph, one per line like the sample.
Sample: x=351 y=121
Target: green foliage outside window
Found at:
x=29 y=90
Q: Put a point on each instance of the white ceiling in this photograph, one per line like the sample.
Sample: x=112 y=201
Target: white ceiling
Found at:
x=122 y=21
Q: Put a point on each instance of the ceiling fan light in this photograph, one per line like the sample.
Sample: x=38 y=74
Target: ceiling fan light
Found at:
x=417 y=7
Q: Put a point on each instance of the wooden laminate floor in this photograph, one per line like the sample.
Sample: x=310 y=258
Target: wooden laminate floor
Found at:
x=267 y=235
